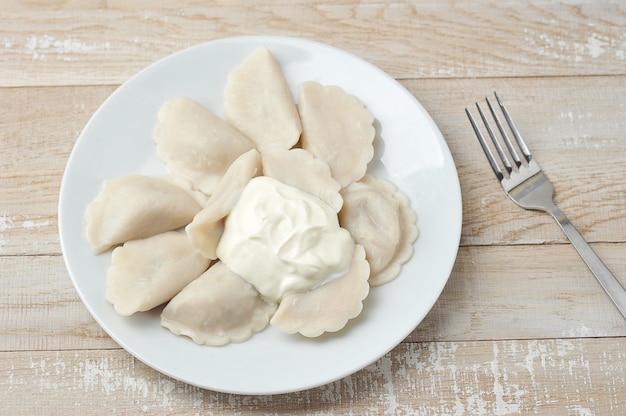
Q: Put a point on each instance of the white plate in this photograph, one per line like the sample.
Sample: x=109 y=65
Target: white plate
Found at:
x=410 y=151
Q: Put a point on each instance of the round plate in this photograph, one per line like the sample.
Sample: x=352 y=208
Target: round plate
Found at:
x=410 y=151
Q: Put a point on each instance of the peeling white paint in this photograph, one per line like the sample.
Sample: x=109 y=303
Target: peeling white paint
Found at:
x=446 y=71
x=594 y=46
x=597 y=45
x=6 y=223
x=515 y=377
x=39 y=47
x=29 y=224
x=566 y=115
x=507 y=400
x=580 y=410
x=387 y=372
x=531 y=356
x=582 y=330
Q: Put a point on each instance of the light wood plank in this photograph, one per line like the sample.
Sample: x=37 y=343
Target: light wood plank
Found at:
x=493 y=293
x=33 y=159
x=41 y=310
x=524 y=293
x=576 y=134
x=68 y=43
x=577 y=139
x=546 y=377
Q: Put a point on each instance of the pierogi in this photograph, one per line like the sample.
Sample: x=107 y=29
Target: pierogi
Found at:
x=380 y=218
x=327 y=308
x=136 y=206
x=149 y=272
x=258 y=102
x=299 y=168
x=217 y=308
x=336 y=128
x=196 y=146
x=207 y=226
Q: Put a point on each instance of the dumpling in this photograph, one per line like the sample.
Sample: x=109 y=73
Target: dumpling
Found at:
x=258 y=102
x=380 y=218
x=298 y=168
x=196 y=145
x=207 y=226
x=217 y=308
x=149 y=272
x=338 y=129
x=136 y=206
x=329 y=307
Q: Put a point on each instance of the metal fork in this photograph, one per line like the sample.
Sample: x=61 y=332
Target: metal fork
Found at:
x=530 y=188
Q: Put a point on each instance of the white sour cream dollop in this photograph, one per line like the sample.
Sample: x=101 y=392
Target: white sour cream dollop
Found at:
x=281 y=239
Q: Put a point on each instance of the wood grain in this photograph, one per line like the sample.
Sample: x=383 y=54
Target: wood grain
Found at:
x=532 y=292
x=492 y=293
x=561 y=135
x=576 y=134
x=522 y=327
x=69 y=43
x=38 y=131
x=41 y=309
x=554 y=376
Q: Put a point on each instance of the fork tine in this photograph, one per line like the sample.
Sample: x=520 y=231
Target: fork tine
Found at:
x=486 y=150
x=505 y=136
x=518 y=136
x=494 y=139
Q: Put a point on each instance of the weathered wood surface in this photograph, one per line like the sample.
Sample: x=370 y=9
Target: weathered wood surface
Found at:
x=66 y=43
x=521 y=328
x=550 y=376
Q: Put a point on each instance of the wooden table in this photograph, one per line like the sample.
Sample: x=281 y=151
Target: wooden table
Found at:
x=522 y=327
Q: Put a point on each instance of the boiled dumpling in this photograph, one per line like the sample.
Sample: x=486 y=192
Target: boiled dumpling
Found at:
x=136 y=206
x=146 y=273
x=217 y=308
x=329 y=307
x=336 y=128
x=380 y=218
x=258 y=102
x=207 y=226
x=196 y=145
x=298 y=167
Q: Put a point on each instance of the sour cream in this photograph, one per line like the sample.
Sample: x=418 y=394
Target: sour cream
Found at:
x=281 y=239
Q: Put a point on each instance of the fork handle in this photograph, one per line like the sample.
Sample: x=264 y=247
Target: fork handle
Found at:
x=607 y=280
